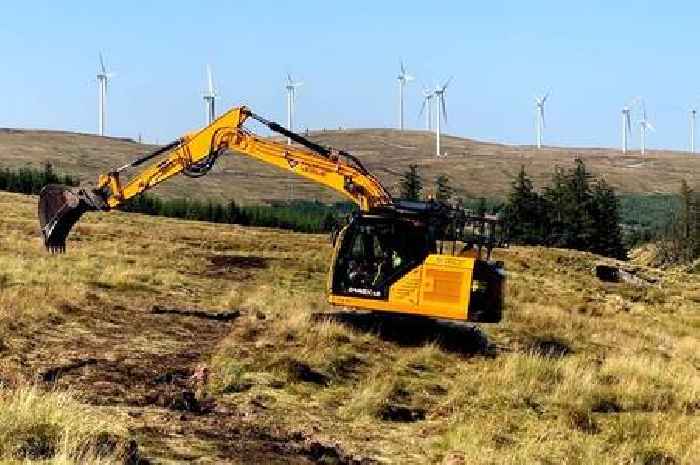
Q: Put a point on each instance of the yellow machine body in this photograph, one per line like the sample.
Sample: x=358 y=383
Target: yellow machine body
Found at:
x=438 y=288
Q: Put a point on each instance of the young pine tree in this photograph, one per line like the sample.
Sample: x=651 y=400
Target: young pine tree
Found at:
x=580 y=208
x=443 y=190
x=569 y=208
x=523 y=215
x=607 y=234
x=411 y=184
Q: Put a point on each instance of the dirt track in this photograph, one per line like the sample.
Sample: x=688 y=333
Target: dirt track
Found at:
x=140 y=363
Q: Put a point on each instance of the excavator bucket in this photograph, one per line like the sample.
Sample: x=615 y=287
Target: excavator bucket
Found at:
x=60 y=207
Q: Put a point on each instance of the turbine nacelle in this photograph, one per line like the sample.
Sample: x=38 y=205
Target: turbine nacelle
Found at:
x=626 y=113
x=292 y=86
x=540 y=101
x=440 y=113
x=102 y=74
x=644 y=122
x=439 y=92
x=403 y=76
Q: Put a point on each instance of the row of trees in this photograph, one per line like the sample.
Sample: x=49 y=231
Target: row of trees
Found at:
x=575 y=211
x=310 y=217
x=411 y=186
x=29 y=180
x=301 y=216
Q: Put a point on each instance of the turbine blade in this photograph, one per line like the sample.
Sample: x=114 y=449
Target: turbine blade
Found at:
x=210 y=81
x=628 y=122
x=447 y=83
x=422 y=107
x=443 y=107
x=544 y=123
x=102 y=64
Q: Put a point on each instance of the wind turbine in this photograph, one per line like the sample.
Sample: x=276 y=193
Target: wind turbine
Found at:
x=427 y=108
x=210 y=97
x=403 y=78
x=291 y=101
x=440 y=110
x=539 y=117
x=102 y=77
x=644 y=126
x=691 y=115
x=627 y=123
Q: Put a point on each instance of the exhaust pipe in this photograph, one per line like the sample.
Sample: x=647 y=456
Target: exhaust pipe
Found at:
x=60 y=207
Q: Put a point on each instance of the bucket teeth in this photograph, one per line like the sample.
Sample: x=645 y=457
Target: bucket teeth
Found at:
x=60 y=207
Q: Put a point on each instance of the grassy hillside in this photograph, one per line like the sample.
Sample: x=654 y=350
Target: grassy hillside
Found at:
x=475 y=168
x=214 y=343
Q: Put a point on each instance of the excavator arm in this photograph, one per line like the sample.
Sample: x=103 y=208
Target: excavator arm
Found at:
x=193 y=155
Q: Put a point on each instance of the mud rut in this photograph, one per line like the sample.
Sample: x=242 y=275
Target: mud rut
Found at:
x=140 y=363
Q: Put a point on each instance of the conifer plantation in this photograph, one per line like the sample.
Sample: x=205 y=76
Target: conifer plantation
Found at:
x=575 y=211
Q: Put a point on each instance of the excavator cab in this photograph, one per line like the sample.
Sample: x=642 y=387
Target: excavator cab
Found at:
x=374 y=252
x=395 y=261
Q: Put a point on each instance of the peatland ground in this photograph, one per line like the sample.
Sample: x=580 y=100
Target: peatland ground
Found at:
x=164 y=341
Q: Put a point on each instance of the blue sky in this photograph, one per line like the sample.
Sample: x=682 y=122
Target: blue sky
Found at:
x=593 y=55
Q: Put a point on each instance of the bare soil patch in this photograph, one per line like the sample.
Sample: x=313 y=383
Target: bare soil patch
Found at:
x=142 y=362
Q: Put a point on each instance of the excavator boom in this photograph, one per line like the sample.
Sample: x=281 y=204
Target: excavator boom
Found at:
x=193 y=155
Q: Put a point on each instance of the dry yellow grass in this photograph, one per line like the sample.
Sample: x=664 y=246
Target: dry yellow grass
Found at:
x=55 y=428
x=579 y=371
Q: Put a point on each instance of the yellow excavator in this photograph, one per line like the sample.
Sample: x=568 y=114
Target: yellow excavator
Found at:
x=407 y=257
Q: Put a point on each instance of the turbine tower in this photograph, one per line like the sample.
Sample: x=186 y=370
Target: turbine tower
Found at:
x=427 y=108
x=291 y=101
x=539 y=118
x=102 y=77
x=403 y=78
x=691 y=114
x=644 y=126
x=210 y=97
x=626 y=124
x=440 y=111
